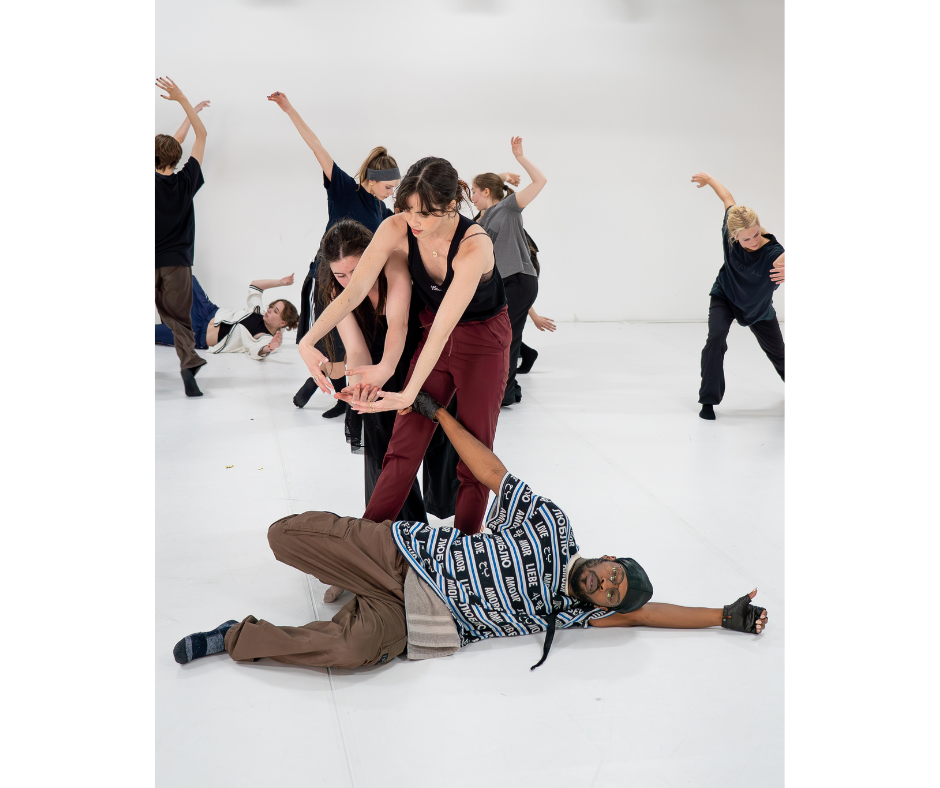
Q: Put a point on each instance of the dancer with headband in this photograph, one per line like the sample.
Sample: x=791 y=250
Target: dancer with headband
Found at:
x=501 y=217
x=363 y=201
x=466 y=332
x=744 y=290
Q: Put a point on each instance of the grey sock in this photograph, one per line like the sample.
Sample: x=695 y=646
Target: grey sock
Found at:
x=202 y=644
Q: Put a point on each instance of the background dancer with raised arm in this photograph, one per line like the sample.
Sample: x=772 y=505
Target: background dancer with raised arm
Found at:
x=434 y=591
x=175 y=232
x=345 y=199
x=501 y=217
x=465 y=344
x=744 y=289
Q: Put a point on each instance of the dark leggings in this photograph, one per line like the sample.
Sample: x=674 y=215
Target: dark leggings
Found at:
x=720 y=317
x=521 y=292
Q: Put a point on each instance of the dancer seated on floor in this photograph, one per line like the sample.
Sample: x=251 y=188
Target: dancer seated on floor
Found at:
x=238 y=330
x=744 y=290
x=435 y=590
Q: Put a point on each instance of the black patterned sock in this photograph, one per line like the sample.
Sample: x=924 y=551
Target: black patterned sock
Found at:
x=202 y=644
x=707 y=412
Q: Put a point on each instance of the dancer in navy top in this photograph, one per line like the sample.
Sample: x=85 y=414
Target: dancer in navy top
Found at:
x=346 y=199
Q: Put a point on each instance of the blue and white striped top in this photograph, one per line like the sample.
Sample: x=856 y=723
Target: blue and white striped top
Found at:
x=505 y=583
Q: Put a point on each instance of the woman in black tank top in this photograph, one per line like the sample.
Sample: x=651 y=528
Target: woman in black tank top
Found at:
x=465 y=340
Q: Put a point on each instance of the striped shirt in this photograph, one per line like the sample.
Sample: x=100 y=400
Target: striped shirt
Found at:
x=503 y=583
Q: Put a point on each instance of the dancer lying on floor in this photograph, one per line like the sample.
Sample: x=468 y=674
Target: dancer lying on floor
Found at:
x=753 y=268
x=435 y=590
x=238 y=330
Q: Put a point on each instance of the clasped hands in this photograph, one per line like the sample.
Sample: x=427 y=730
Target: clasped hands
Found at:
x=366 y=395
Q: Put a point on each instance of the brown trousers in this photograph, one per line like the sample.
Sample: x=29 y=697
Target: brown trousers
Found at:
x=173 y=295
x=358 y=555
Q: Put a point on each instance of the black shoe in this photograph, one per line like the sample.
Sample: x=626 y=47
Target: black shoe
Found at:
x=527 y=355
x=707 y=412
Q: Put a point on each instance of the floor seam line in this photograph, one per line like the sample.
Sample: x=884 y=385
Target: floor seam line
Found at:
x=316 y=612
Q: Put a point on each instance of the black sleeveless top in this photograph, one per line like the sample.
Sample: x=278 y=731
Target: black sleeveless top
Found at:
x=490 y=296
x=254 y=323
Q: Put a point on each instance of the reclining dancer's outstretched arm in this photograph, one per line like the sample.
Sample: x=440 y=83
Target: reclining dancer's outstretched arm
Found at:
x=487 y=468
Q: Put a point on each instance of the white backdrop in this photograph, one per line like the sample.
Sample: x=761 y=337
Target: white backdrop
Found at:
x=619 y=102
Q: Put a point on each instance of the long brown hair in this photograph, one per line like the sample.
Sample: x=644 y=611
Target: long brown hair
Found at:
x=348 y=237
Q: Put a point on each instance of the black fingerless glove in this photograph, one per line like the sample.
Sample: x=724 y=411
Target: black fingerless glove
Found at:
x=741 y=616
x=426 y=405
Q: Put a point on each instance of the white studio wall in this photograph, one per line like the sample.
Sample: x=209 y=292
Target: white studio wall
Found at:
x=618 y=102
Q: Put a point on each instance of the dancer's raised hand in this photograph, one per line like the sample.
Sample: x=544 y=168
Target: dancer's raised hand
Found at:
x=777 y=272
x=511 y=178
x=275 y=343
x=287 y=280
x=701 y=179
x=173 y=92
x=281 y=100
x=516 y=143
x=201 y=105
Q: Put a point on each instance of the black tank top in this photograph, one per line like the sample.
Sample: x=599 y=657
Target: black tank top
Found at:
x=490 y=296
x=253 y=322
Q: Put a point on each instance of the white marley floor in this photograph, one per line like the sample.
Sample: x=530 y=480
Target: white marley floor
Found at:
x=608 y=429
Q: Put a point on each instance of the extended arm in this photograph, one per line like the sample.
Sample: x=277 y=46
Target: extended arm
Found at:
x=483 y=464
x=313 y=142
x=530 y=192
x=267 y=284
x=660 y=614
x=183 y=130
x=740 y=616
x=370 y=265
x=704 y=179
x=175 y=94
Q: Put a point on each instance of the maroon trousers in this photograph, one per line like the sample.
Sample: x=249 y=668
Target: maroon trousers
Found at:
x=475 y=364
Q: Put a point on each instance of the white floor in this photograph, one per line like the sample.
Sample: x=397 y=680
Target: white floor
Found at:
x=608 y=429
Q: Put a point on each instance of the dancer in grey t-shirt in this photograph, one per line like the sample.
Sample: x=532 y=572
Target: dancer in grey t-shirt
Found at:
x=501 y=217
